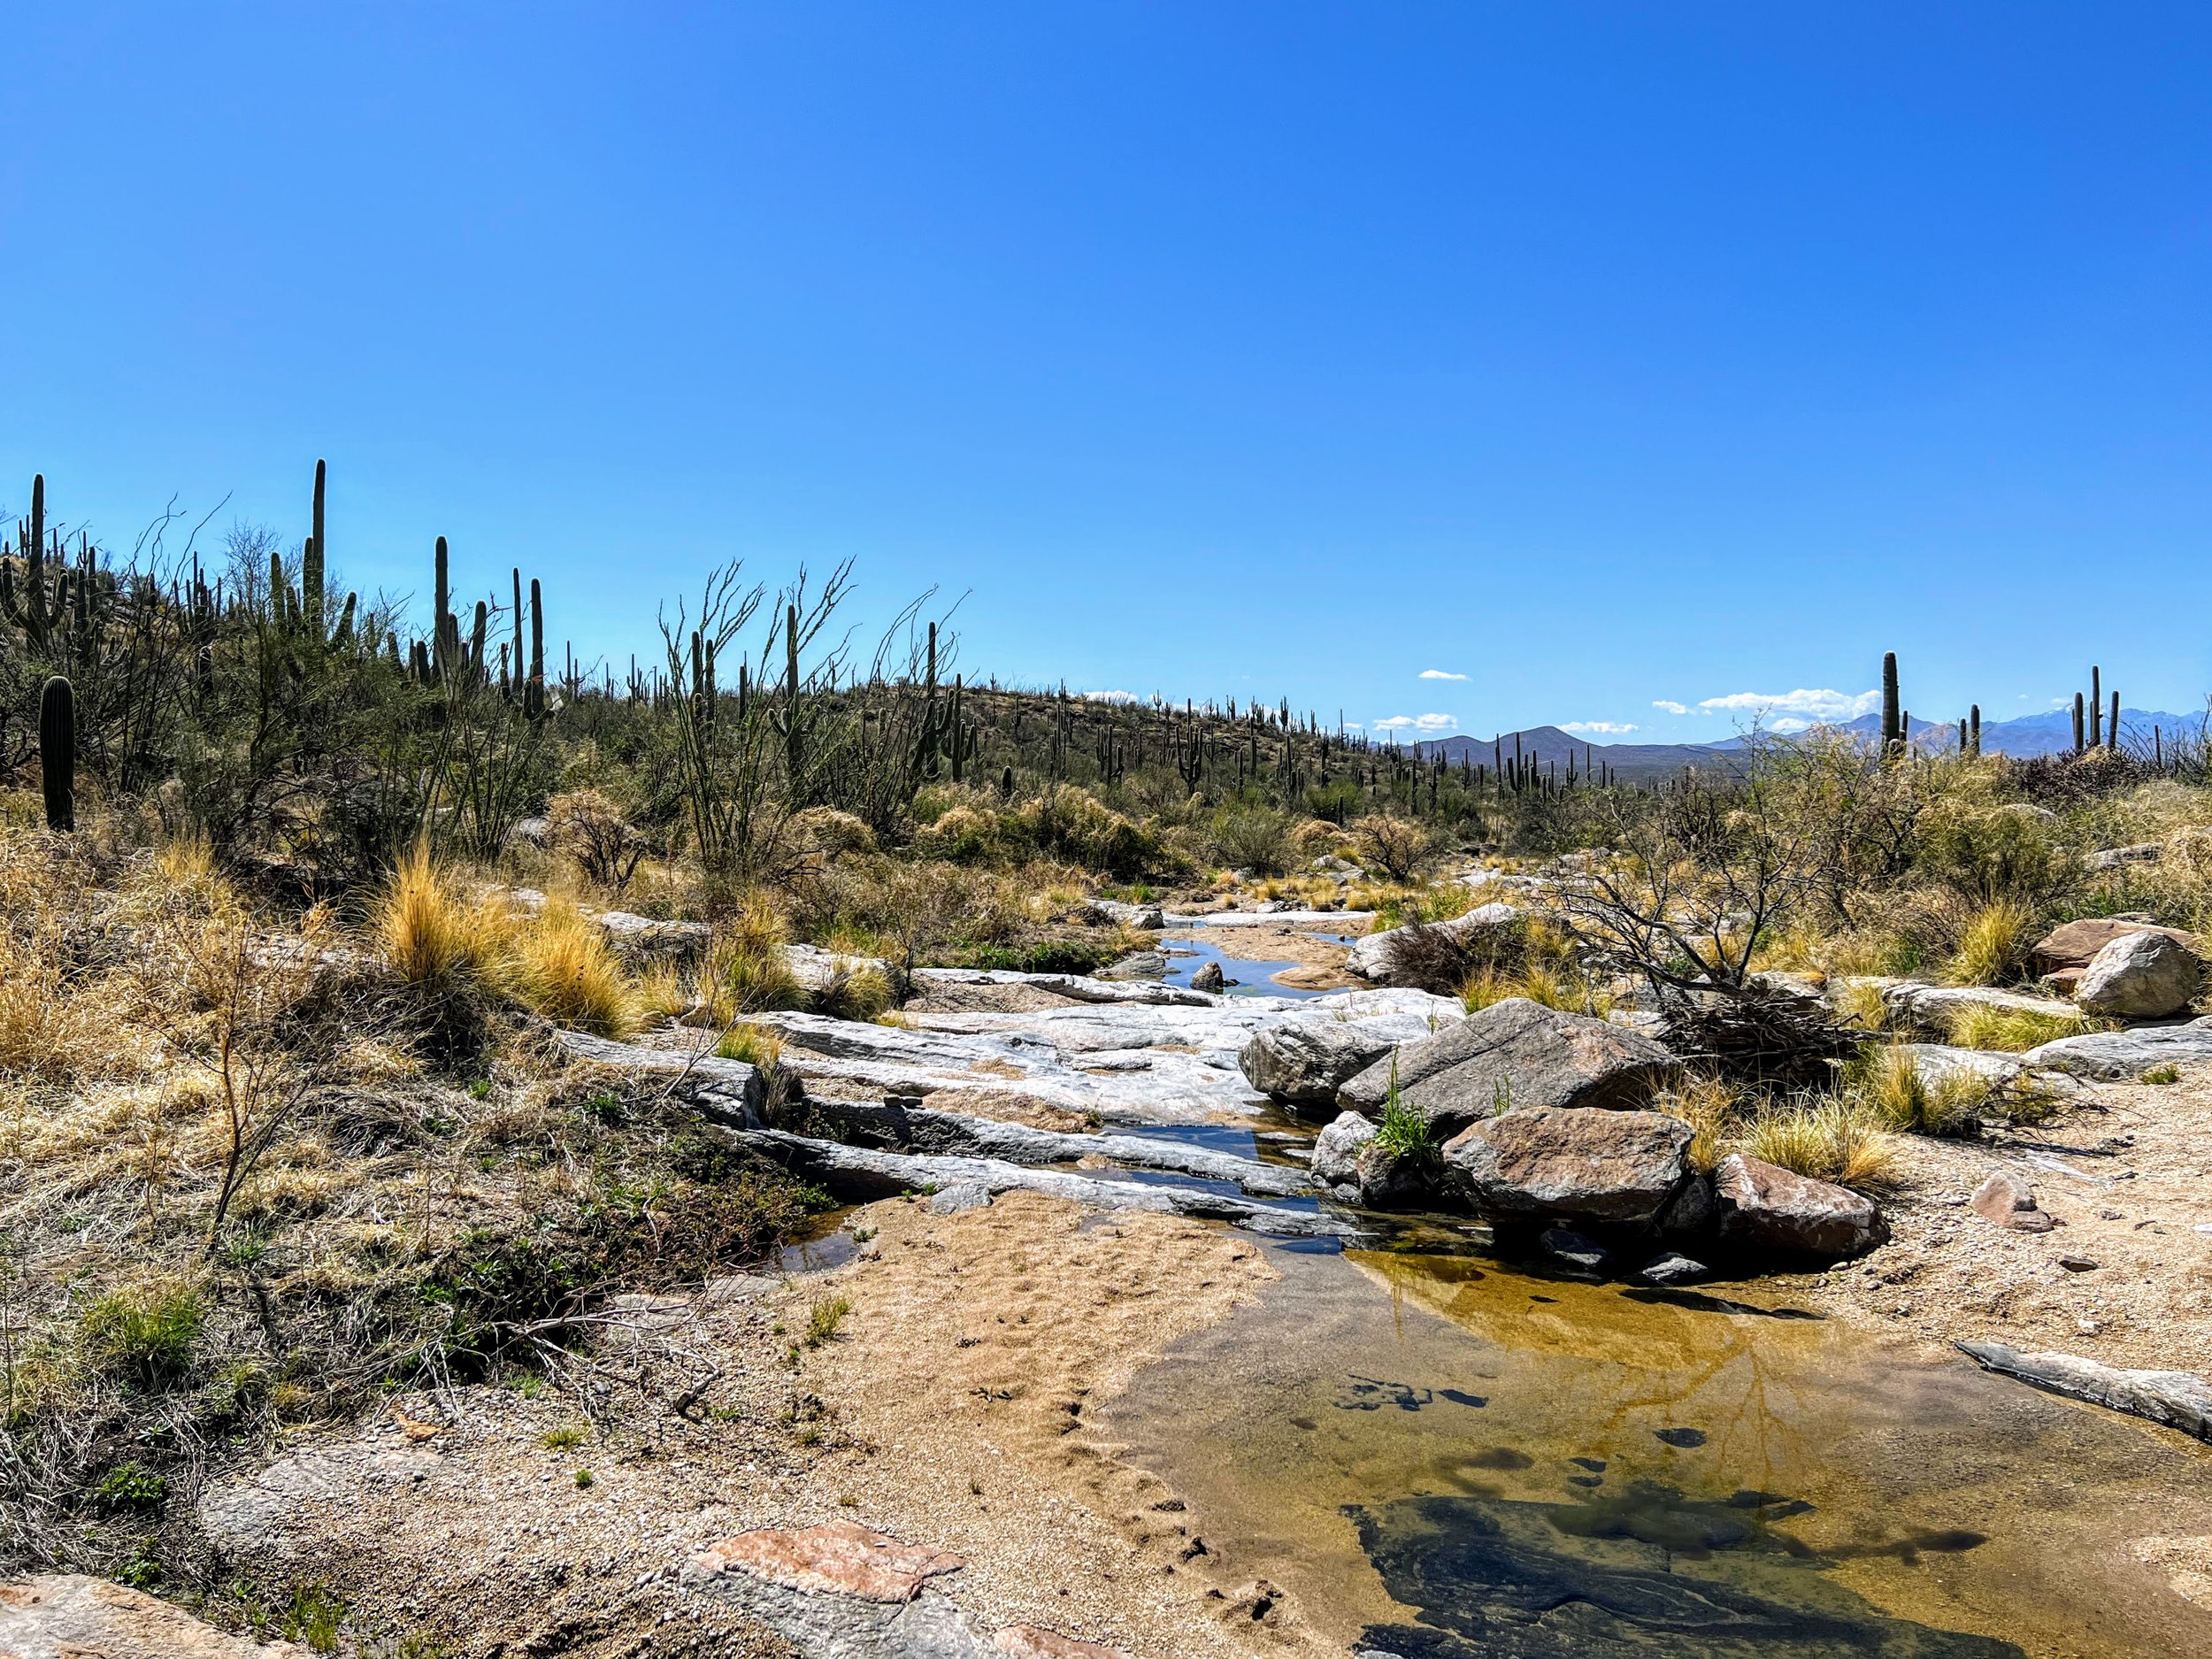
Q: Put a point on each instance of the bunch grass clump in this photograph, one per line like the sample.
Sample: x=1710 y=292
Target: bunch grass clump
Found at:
x=1994 y=948
x=560 y=965
x=2012 y=1030
x=1832 y=1139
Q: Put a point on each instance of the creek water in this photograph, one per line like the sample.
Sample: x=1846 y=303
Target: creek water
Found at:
x=1442 y=1457
x=1253 y=977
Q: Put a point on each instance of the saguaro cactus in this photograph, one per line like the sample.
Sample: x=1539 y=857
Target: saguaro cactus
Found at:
x=58 y=752
x=33 y=610
x=2096 y=707
x=534 y=693
x=311 y=562
x=1893 y=728
x=2112 y=727
x=2081 y=741
x=1974 y=731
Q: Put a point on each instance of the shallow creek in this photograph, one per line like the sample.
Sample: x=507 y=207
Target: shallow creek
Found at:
x=1441 y=1457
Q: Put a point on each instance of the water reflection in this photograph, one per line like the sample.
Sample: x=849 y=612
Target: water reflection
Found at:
x=1441 y=1457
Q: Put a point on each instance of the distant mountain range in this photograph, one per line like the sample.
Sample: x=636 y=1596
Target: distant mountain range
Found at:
x=2029 y=735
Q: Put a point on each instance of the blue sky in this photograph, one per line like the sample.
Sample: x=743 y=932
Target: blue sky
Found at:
x=1609 y=357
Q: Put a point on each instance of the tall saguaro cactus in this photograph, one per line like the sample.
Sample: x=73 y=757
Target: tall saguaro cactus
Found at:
x=313 y=561
x=58 y=752
x=1893 y=728
x=33 y=610
x=2096 y=706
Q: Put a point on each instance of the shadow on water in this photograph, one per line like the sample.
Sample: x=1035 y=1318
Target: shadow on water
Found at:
x=1646 y=1571
x=1442 y=1457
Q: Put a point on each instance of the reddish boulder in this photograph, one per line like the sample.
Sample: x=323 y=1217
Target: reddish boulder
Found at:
x=1765 y=1204
x=2009 y=1201
x=2068 y=949
x=1569 y=1161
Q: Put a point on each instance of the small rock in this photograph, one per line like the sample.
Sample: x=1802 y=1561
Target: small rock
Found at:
x=2007 y=1200
x=1207 y=978
x=959 y=1196
x=1570 y=1246
x=840 y=1557
x=1336 y=1154
x=1673 y=1269
x=1138 y=965
x=2076 y=1263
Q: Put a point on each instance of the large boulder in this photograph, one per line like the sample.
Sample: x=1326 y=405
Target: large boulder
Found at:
x=2117 y=1056
x=1392 y=1177
x=2147 y=975
x=2070 y=946
x=1516 y=1054
x=1766 y=1205
x=1304 y=1061
x=1563 y=1161
x=1370 y=958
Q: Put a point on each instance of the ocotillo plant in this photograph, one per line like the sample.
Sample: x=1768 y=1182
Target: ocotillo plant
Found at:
x=58 y=752
x=1893 y=725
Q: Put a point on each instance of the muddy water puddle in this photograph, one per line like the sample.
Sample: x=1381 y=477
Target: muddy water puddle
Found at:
x=1441 y=1458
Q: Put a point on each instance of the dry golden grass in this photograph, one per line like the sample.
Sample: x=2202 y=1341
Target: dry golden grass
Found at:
x=1712 y=1109
x=1548 y=982
x=756 y=1045
x=746 y=970
x=2012 y=1031
x=559 y=964
x=1892 y=1086
x=1994 y=948
x=432 y=932
x=1831 y=1141
x=663 y=991
x=1861 y=1003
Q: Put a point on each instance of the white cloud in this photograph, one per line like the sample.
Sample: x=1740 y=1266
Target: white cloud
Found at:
x=1667 y=705
x=1821 y=705
x=1438 y=673
x=1789 y=723
x=1608 y=727
x=1419 y=723
x=1108 y=696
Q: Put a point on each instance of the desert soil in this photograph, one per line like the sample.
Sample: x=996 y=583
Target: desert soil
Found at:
x=952 y=1409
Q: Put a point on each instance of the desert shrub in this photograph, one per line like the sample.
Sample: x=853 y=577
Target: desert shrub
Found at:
x=965 y=835
x=146 y=1333
x=1398 y=848
x=590 y=829
x=1074 y=825
x=1318 y=838
x=1995 y=945
x=1829 y=1140
x=2012 y=1030
x=1405 y=1132
x=1984 y=852
x=830 y=834
x=561 y=966
x=1247 y=837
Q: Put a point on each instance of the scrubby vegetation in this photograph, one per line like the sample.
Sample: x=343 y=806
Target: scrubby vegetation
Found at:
x=291 y=900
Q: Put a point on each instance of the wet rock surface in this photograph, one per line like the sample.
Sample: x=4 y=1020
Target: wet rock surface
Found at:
x=1600 y=1579
x=2178 y=1399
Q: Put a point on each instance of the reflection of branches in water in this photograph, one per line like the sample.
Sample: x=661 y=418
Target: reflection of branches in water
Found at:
x=1742 y=1379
